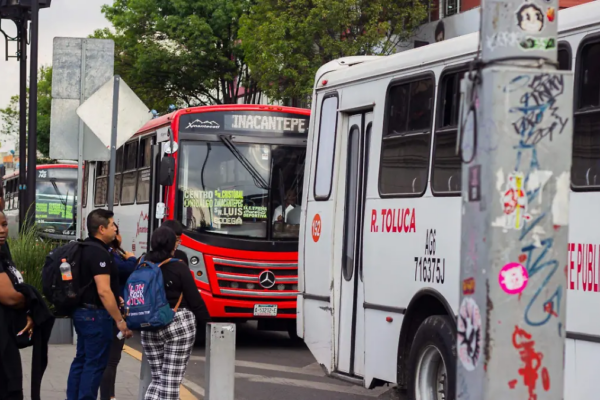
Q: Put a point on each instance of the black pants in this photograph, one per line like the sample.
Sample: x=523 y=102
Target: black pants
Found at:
x=107 y=387
x=5 y=394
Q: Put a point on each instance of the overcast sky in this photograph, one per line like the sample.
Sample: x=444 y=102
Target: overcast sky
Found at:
x=65 y=18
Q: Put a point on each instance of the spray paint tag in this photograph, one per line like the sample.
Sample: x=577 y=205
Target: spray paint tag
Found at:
x=513 y=278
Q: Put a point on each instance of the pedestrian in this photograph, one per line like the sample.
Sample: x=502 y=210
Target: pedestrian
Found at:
x=176 y=227
x=98 y=308
x=168 y=349
x=12 y=303
x=126 y=263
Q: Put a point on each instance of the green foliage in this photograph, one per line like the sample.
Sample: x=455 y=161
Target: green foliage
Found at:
x=10 y=114
x=187 y=50
x=286 y=41
x=29 y=253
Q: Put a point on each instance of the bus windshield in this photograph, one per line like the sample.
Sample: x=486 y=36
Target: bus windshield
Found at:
x=246 y=190
x=55 y=205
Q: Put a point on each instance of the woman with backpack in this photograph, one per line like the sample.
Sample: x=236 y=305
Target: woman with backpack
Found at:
x=169 y=348
x=126 y=263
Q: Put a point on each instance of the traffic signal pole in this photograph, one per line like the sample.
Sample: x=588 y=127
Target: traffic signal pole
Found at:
x=515 y=141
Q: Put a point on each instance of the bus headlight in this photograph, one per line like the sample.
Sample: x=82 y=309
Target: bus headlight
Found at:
x=197 y=265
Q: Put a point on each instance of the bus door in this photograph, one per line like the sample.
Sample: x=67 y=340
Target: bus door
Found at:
x=351 y=340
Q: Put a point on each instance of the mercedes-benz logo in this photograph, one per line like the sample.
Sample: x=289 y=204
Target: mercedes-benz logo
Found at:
x=266 y=279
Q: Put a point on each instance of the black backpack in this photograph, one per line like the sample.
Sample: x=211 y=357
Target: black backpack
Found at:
x=54 y=288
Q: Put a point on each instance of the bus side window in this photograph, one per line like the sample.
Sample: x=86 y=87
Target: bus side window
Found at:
x=406 y=140
x=118 y=175
x=130 y=156
x=101 y=189
x=143 y=174
x=585 y=172
x=326 y=147
x=446 y=175
x=564 y=57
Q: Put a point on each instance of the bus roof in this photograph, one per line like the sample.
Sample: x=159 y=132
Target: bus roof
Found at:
x=43 y=166
x=166 y=120
x=569 y=19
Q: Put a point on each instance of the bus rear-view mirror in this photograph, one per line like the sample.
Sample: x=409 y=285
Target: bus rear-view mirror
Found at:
x=167 y=171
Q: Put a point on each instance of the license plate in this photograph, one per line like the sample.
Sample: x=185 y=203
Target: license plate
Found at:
x=265 y=310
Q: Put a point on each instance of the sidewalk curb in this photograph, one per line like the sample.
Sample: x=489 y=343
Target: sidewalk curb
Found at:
x=184 y=393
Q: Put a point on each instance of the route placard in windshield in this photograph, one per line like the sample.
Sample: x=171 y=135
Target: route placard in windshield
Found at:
x=239 y=189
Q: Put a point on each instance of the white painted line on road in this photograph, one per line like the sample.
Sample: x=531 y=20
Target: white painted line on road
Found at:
x=271 y=367
x=356 y=390
x=193 y=386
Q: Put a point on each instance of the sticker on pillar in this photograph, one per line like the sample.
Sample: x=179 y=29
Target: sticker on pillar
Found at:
x=475 y=183
x=469 y=334
x=530 y=18
x=513 y=278
x=531 y=43
x=551 y=14
x=514 y=202
x=468 y=286
x=316 y=228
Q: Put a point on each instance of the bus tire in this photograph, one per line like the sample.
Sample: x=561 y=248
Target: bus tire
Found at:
x=292 y=332
x=432 y=360
x=200 y=334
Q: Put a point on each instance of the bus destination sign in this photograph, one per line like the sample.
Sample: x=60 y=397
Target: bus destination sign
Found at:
x=245 y=121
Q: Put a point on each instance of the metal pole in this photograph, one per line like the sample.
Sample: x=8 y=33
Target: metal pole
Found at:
x=80 y=145
x=113 y=143
x=220 y=361
x=516 y=116
x=32 y=138
x=145 y=377
x=22 y=122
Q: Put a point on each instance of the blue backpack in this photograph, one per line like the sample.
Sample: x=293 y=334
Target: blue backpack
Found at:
x=146 y=305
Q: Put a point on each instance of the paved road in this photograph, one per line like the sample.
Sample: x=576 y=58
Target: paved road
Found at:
x=270 y=367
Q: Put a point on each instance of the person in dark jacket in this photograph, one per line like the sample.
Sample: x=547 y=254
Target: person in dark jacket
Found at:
x=12 y=306
x=168 y=349
x=126 y=263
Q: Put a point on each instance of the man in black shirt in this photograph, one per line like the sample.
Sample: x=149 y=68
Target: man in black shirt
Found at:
x=176 y=227
x=93 y=319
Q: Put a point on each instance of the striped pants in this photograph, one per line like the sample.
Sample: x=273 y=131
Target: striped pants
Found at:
x=168 y=351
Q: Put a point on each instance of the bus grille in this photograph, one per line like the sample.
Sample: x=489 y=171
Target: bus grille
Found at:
x=256 y=278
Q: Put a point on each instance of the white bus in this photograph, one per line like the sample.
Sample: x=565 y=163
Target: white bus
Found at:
x=382 y=202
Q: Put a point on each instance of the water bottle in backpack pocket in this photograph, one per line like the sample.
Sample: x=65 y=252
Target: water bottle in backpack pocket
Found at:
x=61 y=276
x=146 y=305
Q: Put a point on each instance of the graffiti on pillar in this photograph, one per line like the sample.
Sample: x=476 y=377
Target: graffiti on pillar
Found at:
x=469 y=334
x=532 y=368
x=530 y=18
x=538 y=120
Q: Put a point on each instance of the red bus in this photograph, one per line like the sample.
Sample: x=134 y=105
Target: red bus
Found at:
x=233 y=176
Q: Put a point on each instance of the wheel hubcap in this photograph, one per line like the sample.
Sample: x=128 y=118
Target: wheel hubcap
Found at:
x=431 y=377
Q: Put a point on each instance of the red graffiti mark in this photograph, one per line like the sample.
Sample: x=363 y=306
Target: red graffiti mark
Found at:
x=556 y=227
x=549 y=308
x=545 y=379
x=522 y=258
x=531 y=359
x=512 y=384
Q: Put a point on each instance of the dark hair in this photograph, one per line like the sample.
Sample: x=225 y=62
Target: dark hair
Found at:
x=173 y=225
x=440 y=29
x=96 y=219
x=162 y=243
x=537 y=10
x=115 y=243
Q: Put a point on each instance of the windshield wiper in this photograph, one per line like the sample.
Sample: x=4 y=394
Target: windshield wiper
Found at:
x=258 y=179
x=63 y=202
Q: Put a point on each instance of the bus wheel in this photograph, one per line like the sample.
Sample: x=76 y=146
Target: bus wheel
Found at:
x=200 y=334
x=432 y=361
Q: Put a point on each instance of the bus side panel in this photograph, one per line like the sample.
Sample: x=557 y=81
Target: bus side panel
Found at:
x=133 y=226
x=381 y=361
x=581 y=370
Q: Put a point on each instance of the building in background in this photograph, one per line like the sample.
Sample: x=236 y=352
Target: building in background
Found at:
x=447 y=19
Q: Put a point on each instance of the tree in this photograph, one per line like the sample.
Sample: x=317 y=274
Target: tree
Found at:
x=286 y=41
x=187 y=50
x=10 y=114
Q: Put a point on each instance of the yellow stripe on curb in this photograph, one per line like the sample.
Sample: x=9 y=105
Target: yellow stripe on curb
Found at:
x=184 y=394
